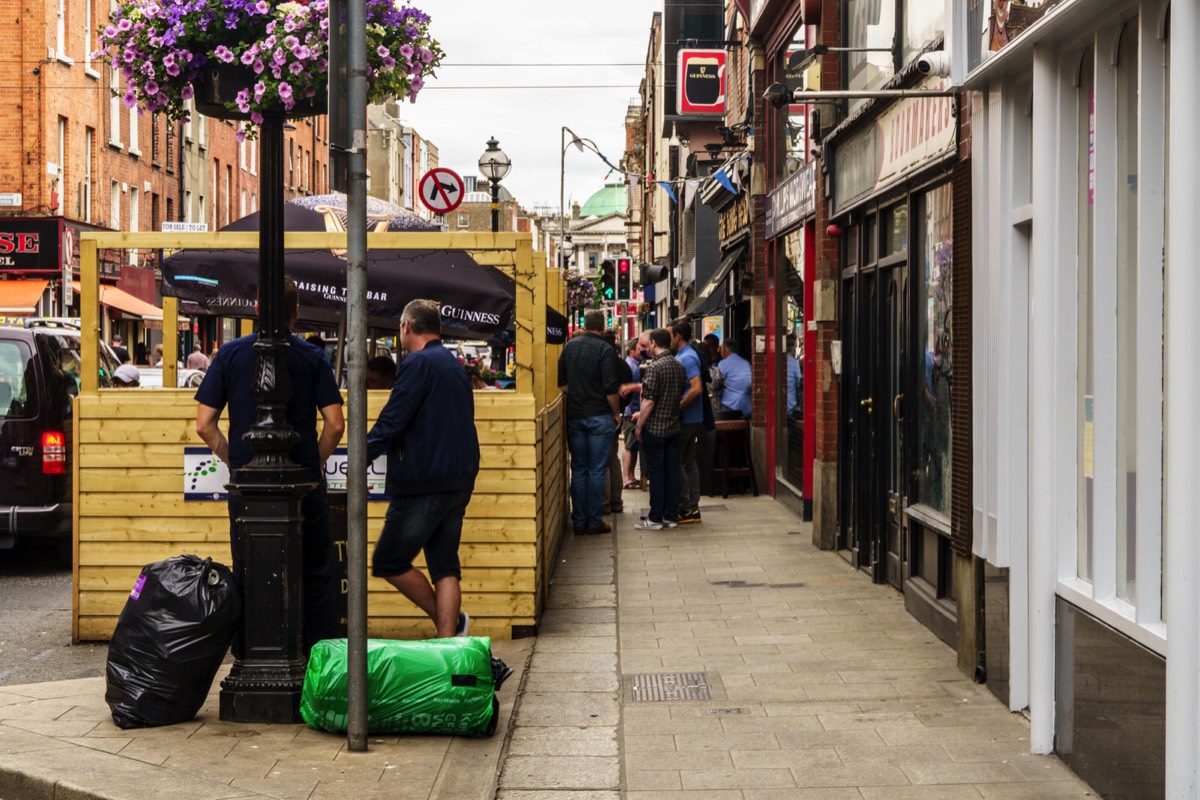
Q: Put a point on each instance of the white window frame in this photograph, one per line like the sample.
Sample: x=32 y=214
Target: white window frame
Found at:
x=114 y=205
x=1141 y=621
x=134 y=145
x=135 y=212
x=88 y=41
x=114 y=109
x=89 y=142
x=61 y=157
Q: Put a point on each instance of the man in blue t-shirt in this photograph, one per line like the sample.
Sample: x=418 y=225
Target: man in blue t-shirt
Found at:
x=230 y=382
x=795 y=380
x=737 y=378
x=691 y=407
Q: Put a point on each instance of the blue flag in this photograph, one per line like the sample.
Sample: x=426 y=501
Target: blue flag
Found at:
x=670 y=192
x=723 y=179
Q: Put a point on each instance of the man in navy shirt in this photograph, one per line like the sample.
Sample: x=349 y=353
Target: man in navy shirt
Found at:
x=230 y=382
x=427 y=430
x=691 y=408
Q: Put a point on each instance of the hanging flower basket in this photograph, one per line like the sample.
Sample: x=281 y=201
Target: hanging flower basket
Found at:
x=243 y=59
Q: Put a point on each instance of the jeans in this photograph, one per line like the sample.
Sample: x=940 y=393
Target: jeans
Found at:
x=590 y=441
x=689 y=492
x=660 y=461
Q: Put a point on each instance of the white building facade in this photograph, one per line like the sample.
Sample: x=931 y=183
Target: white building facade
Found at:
x=1086 y=441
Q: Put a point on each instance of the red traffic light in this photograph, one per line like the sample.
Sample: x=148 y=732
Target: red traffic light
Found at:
x=623 y=265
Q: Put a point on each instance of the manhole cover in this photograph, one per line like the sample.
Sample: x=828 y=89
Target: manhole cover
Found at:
x=673 y=686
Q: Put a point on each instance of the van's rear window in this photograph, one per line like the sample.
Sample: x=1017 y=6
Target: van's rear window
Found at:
x=17 y=381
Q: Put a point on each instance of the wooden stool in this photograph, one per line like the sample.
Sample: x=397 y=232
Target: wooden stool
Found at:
x=738 y=429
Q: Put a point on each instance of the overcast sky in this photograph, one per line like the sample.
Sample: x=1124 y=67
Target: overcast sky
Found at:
x=528 y=122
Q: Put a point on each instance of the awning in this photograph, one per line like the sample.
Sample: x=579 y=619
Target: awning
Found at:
x=20 y=298
x=126 y=303
x=716 y=280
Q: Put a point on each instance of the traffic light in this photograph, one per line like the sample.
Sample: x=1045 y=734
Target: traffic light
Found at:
x=624 y=278
x=652 y=274
x=608 y=280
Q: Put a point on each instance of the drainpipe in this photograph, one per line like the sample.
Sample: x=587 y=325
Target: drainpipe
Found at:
x=1181 y=473
x=1042 y=377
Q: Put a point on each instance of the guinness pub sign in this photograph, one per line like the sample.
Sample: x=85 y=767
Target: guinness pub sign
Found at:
x=700 y=82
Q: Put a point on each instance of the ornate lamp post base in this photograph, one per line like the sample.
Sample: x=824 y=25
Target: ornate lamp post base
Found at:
x=266 y=680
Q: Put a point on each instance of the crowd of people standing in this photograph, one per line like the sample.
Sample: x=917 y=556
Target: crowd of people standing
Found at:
x=653 y=405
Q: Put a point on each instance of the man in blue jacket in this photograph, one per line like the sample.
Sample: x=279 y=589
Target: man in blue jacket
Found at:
x=427 y=430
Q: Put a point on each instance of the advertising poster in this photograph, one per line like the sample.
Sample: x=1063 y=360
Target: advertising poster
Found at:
x=205 y=476
x=712 y=325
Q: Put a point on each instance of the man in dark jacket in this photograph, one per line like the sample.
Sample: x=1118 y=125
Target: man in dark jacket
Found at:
x=427 y=430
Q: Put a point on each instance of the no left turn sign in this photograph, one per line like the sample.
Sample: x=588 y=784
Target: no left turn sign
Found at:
x=441 y=190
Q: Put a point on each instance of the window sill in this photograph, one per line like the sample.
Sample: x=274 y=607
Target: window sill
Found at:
x=116 y=145
x=91 y=73
x=930 y=518
x=1115 y=613
x=60 y=58
x=135 y=153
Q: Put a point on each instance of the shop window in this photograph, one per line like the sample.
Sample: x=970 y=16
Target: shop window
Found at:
x=794 y=120
x=1127 y=318
x=935 y=263
x=924 y=22
x=1086 y=133
x=895 y=231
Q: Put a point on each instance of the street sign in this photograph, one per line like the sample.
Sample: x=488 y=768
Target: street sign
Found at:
x=441 y=190
x=185 y=227
x=68 y=257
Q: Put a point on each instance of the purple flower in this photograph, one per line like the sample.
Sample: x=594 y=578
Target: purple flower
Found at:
x=406 y=50
x=130 y=99
x=389 y=63
x=124 y=25
x=256 y=117
x=262 y=7
x=151 y=88
x=248 y=57
x=259 y=88
x=295 y=68
x=382 y=51
x=285 y=90
x=187 y=92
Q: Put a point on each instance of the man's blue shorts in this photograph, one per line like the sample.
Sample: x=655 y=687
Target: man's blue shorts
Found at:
x=432 y=522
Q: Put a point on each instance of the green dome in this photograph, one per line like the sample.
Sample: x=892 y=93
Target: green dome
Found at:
x=609 y=200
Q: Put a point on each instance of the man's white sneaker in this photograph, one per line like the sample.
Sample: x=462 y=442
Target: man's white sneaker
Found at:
x=648 y=525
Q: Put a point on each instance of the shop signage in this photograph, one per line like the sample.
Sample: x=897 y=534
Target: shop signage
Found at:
x=109 y=257
x=700 y=86
x=205 y=476
x=11 y=199
x=734 y=220
x=68 y=272
x=909 y=135
x=30 y=246
x=792 y=200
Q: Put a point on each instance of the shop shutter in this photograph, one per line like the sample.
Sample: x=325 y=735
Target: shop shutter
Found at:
x=960 y=387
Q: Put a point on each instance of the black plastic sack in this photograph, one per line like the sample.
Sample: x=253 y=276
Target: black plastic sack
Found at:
x=170 y=641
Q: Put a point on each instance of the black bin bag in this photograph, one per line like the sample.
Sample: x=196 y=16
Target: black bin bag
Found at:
x=170 y=641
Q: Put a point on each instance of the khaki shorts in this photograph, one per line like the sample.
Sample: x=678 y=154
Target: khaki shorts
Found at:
x=629 y=431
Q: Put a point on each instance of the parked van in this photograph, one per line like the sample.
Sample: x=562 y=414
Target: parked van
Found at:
x=40 y=367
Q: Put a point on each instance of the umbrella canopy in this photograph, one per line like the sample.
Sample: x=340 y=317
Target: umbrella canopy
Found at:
x=225 y=282
x=556 y=322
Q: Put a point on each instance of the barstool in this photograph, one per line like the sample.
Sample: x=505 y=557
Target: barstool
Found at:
x=738 y=429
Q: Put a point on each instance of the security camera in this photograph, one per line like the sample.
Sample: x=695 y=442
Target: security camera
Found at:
x=935 y=62
x=777 y=95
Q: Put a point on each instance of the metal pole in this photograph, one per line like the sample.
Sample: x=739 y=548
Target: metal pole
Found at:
x=356 y=350
x=495 y=205
x=562 y=177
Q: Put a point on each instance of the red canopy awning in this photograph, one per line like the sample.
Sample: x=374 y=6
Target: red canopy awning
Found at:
x=126 y=303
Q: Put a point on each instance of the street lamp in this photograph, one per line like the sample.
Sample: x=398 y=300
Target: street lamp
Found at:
x=566 y=248
x=494 y=165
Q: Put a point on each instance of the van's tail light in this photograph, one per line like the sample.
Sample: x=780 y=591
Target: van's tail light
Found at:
x=54 y=453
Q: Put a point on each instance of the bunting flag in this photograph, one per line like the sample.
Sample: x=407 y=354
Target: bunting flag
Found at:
x=670 y=193
x=723 y=178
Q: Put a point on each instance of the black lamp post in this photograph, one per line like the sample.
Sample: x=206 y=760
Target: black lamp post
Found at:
x=494 y=165
x=267 y=677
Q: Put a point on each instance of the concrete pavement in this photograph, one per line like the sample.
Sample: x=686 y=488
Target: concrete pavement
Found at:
x=723 y=660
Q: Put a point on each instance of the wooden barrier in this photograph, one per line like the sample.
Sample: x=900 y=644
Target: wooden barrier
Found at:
x=129 y=481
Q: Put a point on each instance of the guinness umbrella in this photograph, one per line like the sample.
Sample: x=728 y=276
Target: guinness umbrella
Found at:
x=225 y=282
x=556 y=322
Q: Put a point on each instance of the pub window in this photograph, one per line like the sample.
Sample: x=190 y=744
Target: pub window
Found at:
x=935 y=261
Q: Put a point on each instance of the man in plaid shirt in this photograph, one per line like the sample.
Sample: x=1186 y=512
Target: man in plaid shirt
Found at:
x=658 y=430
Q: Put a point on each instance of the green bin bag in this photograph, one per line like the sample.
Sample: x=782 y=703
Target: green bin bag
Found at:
x=431 y=686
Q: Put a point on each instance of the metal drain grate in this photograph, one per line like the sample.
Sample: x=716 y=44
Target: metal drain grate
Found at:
x=674 y=686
